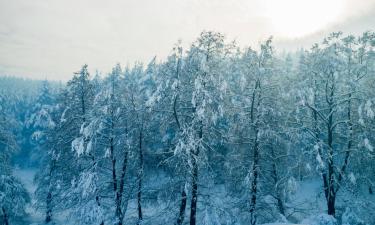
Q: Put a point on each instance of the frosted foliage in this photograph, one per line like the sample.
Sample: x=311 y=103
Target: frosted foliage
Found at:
x=84 y=144
x=13 y=196
x=322 y=219
x=320 y=164
x=82 y=127
x=42 y=118
x=368 y=145
x=107 y=153
x=78 y=146
x=248 y=178
x=89 y=130
x=154 y=98
x=255 y=135
x=89 y=214
x=63 y=119
x=201 y=113
x=292 y=186
x=89 y=146
x=361 y=121
x=243 y=82
x=186 y=144
x=368 y=109
x=308 y=167
x=350 y=218
x=352 y=178
x=87 y=183
x=311 y=96
x=210 y=217
x=37 y=135
x=223 y=87
x=221 y=110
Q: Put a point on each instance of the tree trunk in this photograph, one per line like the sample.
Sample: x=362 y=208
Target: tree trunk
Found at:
x=254 y=183
x=194 y=184
x=181 y=215
x=5 y=217
x=140 y=177
x=280 y=203
x=49 y=208
x=114 y=181
x=331 y=205
x=194 y=193
x=330 y=193
x=348 y=150
x=119 y=212
x=280 y=206
x=48 y=218
x=254 y=170
x=97 y=199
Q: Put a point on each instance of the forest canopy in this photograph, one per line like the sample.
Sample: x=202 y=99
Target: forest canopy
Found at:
x=213 y=134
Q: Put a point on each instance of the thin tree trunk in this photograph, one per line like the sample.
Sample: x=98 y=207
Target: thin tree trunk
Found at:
x=349 y=148
x=331 y=205
x=280 y=203
x=254 y=170
x=119 y=212
x=97 y=199
x=49 y=194
x=194 y=184
x=254 y=183
x=114 y=181
x=5 y=217
x=140 y=177
x=325 y=179
x=49 y=208
x=181 y=215
x=194 y=193
x=330 y=193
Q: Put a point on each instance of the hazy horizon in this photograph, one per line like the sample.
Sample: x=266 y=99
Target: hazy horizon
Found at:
x=51 y=41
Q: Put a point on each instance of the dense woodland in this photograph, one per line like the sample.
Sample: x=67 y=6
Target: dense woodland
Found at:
x=214 y=134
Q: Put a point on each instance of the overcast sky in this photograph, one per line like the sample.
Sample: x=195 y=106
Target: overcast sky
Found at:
x=52 y=39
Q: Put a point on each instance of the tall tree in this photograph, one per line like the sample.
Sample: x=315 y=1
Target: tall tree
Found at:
x=13 y=196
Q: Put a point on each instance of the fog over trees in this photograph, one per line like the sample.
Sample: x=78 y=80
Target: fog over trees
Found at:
x=214 y=134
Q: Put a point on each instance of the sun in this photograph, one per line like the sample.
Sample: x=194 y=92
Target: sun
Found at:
x=297 y=18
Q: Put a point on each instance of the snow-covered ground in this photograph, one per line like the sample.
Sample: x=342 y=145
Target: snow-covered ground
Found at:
x=35 y=217
x=282 y=224
x=307 y=198
x=27 y=177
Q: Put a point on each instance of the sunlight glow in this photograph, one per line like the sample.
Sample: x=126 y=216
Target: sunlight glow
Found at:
x=296 y=18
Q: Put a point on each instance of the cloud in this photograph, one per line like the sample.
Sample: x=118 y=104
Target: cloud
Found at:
x=52 y=39
x=355 y=22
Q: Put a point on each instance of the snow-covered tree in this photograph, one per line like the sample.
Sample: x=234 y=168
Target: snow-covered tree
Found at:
x=13 y=195
x=335 y=72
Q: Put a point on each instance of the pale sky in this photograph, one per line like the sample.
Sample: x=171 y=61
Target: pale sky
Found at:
x=53 y=38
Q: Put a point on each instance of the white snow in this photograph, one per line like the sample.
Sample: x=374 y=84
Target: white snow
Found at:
x=367 y=145
x=369 y=112
x=321 y=219
x=27 y=177
x=352 y=178
x=78 y=146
